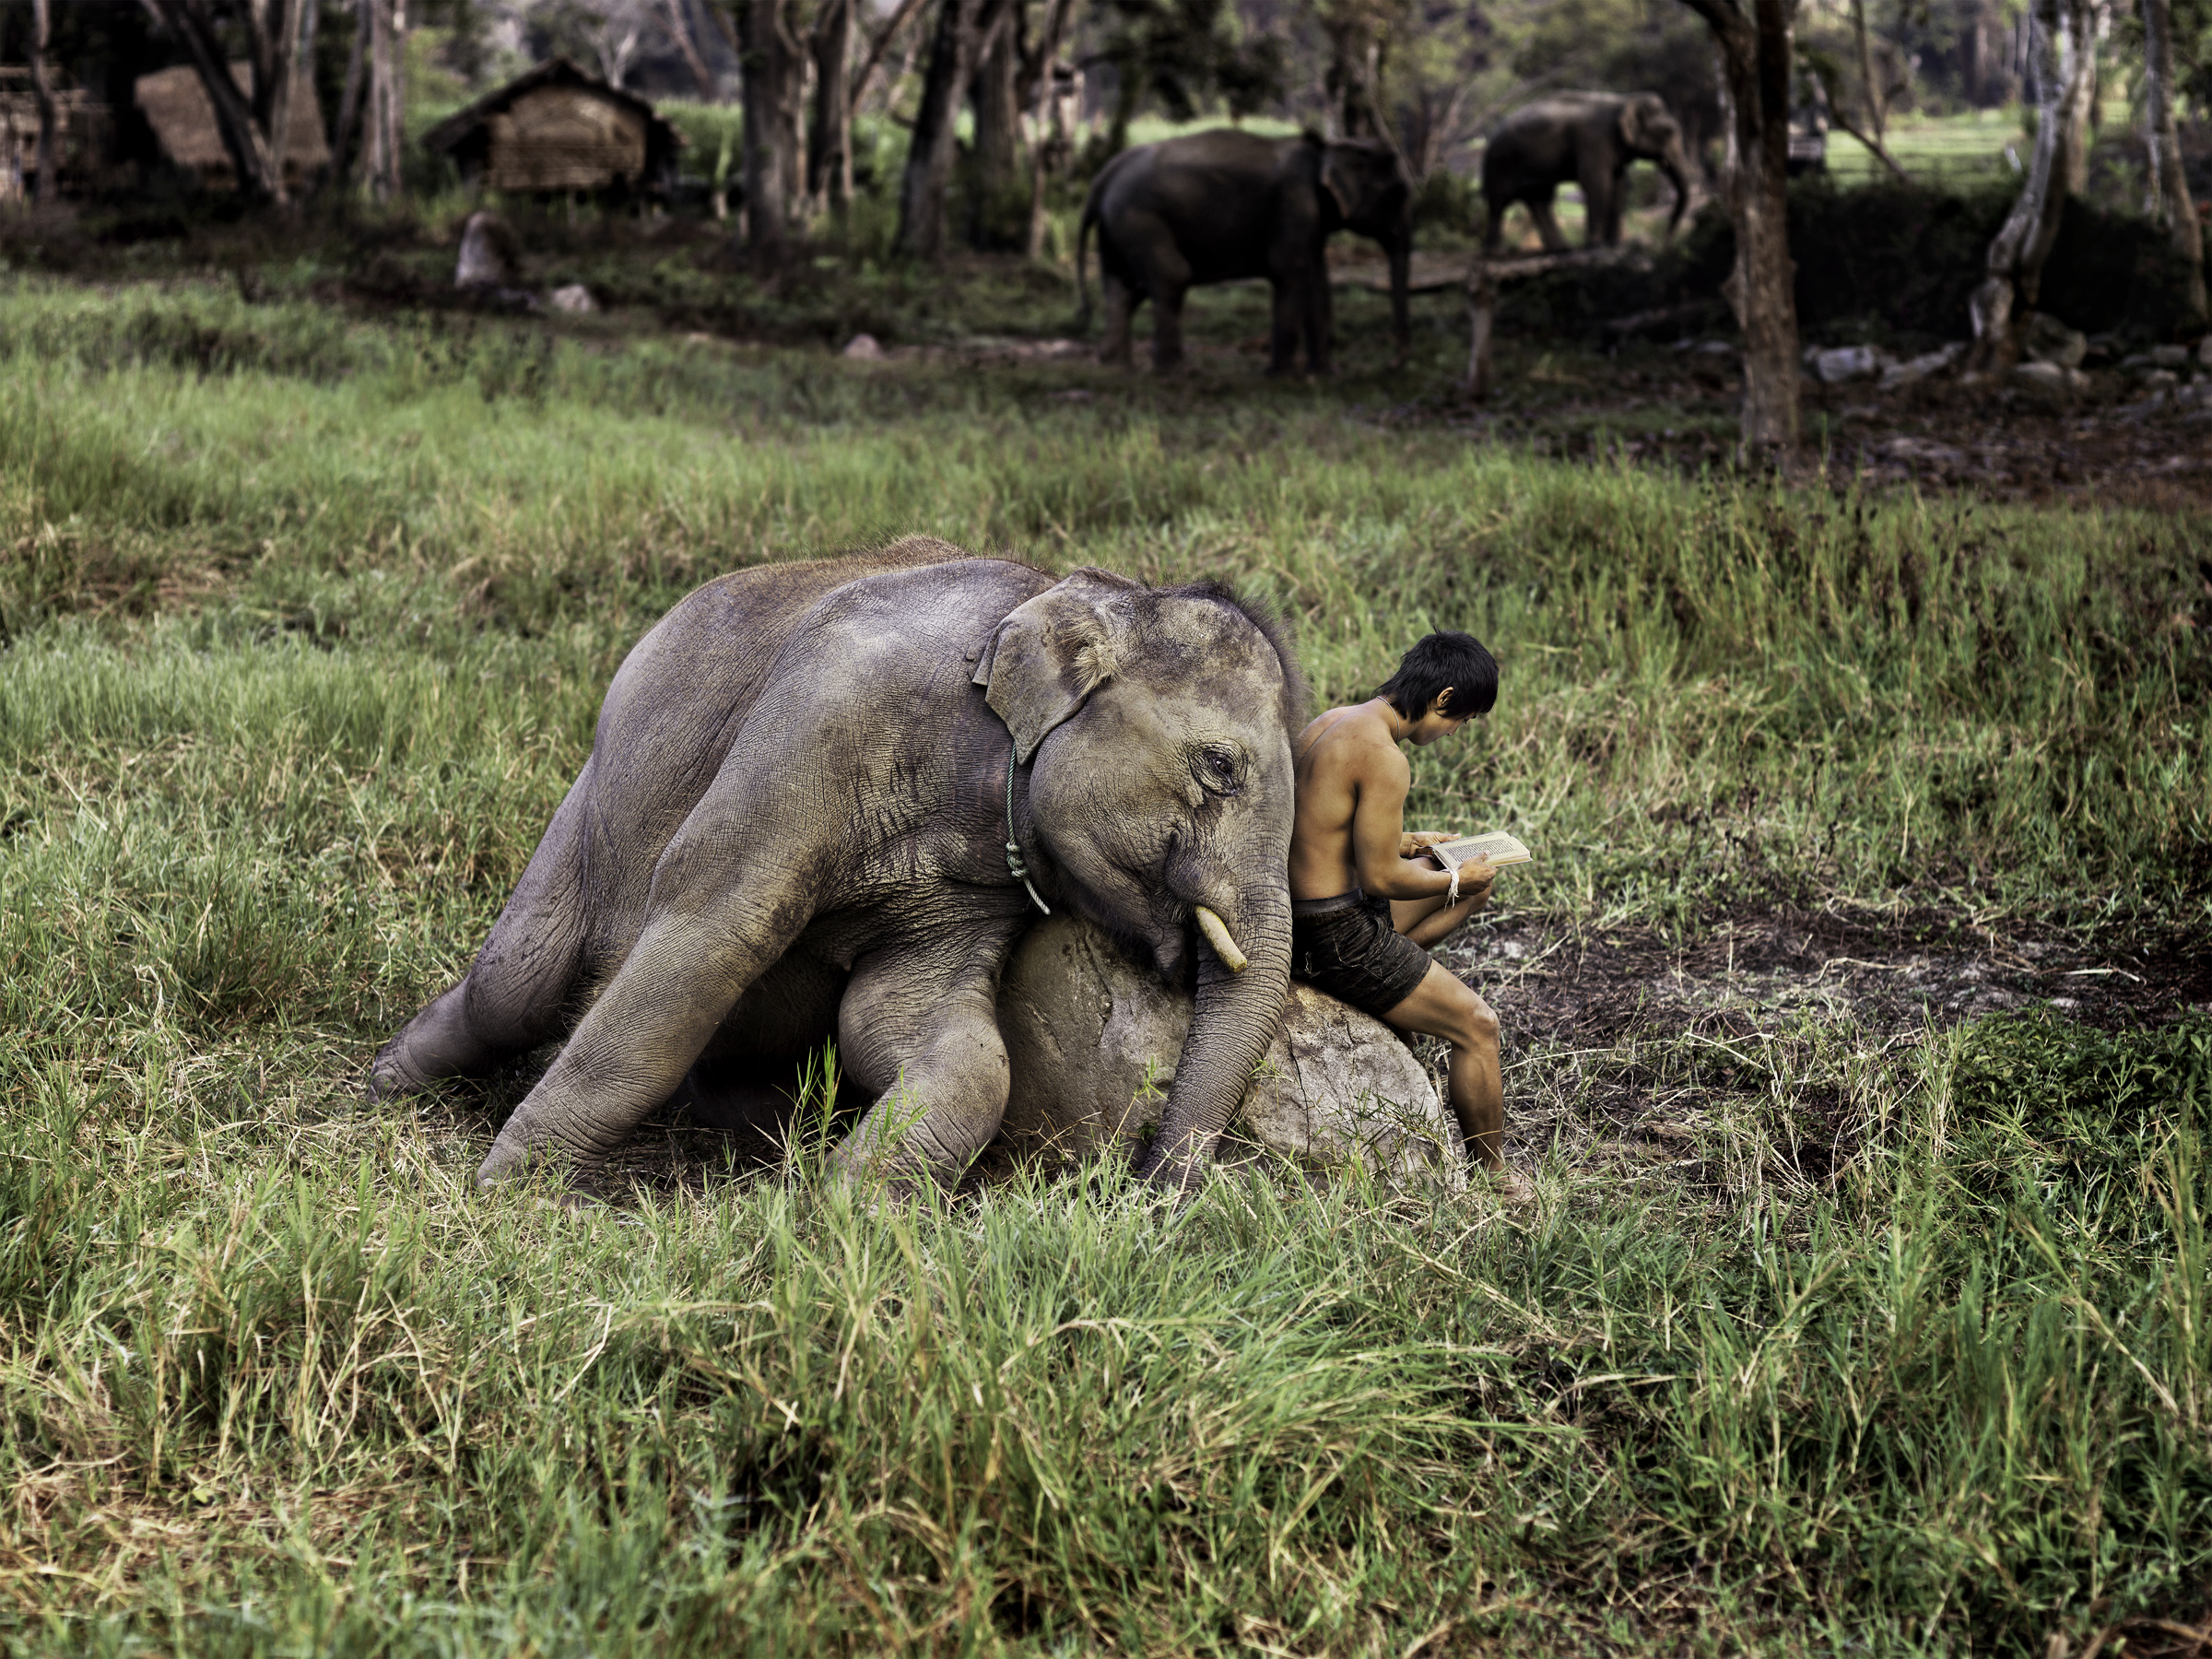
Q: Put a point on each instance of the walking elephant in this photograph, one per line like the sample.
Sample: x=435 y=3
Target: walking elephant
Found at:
x=825 y=799
x=1590 y=138
x=1221 y=206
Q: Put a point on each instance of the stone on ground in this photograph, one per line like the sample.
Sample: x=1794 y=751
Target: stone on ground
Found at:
x=1092 y=1040
x=488 y=254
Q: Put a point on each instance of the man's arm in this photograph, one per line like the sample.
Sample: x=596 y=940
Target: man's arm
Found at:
x=1379 y=830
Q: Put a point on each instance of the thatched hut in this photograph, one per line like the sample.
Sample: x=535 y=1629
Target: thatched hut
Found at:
x=178 y=110
x=559 y=128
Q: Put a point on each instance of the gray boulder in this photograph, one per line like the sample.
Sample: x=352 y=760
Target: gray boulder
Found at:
x=2047 y=340
x=488 y=256
x=1092 y=1040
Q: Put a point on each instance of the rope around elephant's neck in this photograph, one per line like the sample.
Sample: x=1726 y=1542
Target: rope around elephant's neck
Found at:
x=1015 y=867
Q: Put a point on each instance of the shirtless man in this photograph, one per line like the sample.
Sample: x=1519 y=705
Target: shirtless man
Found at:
x=1366 y=904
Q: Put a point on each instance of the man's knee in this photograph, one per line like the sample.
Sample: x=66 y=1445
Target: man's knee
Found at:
x=1477 y=1021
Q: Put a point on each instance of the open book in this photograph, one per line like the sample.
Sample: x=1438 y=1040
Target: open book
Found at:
x=1494 y=849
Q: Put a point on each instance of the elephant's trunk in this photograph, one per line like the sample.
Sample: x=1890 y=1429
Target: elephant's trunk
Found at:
x=1234 y=1026
x=1673 y=163
x=1400 y=248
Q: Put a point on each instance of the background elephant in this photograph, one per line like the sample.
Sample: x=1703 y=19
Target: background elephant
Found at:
x=794 y=824
x=1222 y=206
x=1589 y=137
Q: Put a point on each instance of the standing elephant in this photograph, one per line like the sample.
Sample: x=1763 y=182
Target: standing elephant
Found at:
x=1222 y=206
x=1589 y=137
x=819 y=801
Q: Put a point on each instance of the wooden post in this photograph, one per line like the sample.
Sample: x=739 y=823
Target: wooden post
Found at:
x=42 y=87
x=387 y=94
x=1482 y=312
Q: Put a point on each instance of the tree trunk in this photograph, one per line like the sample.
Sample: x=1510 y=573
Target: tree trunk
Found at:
x=246 y=142
x=42 y=87
x=1876 y=104
x=1354 y=71
x=2063 y=45
x=1482 y=315
x=387 y=95
x=773 y=62
x=997 y=105
x=2169 y=204
x=1055 y=136
x=277 y=105
x=1755 y=86
x=962 y=27
x=343 y=141
x=830 y=140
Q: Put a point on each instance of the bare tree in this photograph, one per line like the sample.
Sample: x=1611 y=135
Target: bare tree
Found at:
x=253 y=123
x=1054 y=116
x=2169 y=204
x=342 y=140
x=774 y=61
x=42 y=87
x=899 y=20
x=1755 y=50
x=387 y=94
x=995 y=97
x=2063 y=49
x=964 y=28
x=829 y=131
x=676 y=23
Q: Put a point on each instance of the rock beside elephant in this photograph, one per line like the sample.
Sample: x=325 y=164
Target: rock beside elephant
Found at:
x=1087 y=1029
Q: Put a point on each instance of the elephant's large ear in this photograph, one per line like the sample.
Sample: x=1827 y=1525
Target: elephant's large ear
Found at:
x=1643 y=119
x=1050 y=654
x=1337 y=179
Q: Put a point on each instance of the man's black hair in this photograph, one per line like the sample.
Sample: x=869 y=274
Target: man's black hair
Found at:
x=1457 y=661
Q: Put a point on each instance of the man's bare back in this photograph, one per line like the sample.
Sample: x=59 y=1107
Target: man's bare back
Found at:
x=1350 y=826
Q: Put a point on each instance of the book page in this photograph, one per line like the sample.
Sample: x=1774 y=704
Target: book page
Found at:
x=1494 y=849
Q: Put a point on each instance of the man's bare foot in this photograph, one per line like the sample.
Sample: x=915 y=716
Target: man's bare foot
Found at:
x=1506 y=1184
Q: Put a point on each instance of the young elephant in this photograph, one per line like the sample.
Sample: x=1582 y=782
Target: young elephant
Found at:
x=795 y=823
x=1589 y=138
x=1221 y=206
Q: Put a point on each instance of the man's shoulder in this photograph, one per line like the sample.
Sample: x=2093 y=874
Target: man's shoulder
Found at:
x=1352 y=741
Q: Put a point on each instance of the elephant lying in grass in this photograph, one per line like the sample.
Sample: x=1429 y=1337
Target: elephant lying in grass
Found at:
x=794 y=825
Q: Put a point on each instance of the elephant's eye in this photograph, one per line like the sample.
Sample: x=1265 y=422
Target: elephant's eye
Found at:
x=1217 y=769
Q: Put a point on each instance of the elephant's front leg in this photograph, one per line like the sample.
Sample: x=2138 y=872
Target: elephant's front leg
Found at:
x=631 y=1051
x=1602 y=199
x=919 y=1029
x=1539 y=209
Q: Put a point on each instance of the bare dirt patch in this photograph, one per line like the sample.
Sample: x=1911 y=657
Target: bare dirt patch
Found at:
x=1892 y=972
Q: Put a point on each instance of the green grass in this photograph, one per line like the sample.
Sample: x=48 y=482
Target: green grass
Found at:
x=307 y=619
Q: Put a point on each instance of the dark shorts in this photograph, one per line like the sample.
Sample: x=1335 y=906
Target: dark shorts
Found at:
x=1346 y=946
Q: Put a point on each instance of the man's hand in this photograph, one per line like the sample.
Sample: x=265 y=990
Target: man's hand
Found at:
x=1475 y=879
x=1414 y=843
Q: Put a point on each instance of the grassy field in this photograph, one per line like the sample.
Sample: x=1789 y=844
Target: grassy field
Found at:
x=304 y=616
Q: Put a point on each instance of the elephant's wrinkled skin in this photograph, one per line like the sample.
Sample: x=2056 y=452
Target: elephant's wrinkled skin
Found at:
x=1223 y=205
x=793 y=826
x=1589 y=138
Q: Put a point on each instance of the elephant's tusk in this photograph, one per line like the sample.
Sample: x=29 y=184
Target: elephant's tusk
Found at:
x=1217 y=934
